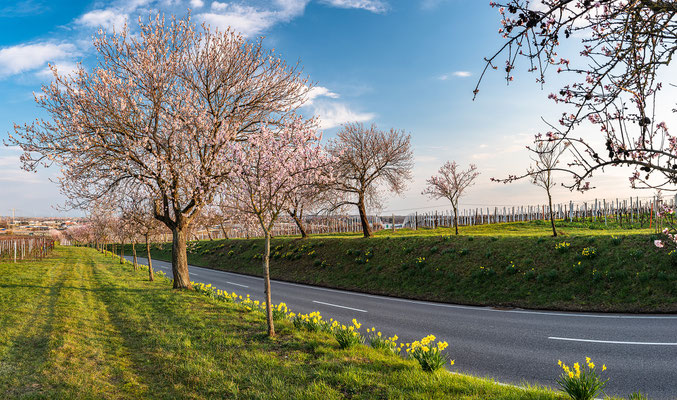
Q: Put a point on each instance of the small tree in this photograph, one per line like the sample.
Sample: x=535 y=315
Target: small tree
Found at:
x=451 y=183
x=546 y=154
x=272 y=167
x=365 y=159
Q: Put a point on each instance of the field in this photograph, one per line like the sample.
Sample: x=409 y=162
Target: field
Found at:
x=595 y=268
x=81 y=325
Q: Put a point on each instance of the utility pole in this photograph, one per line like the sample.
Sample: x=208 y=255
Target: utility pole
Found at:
x=13 y=218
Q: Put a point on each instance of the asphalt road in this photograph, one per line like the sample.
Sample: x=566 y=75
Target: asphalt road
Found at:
x=511 y=346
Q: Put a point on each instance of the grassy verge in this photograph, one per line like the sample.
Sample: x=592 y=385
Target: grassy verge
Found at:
x=83 y=326
x=511 y=265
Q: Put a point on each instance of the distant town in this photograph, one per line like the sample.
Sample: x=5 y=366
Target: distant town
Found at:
x=34 y=225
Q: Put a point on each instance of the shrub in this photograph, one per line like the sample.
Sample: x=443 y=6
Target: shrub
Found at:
x=483 y=272
x=511 y=269
x=347 y=336
x=311 y=322
x=615 y=240
x=578 y=268
x=636 y=253
x=280 y=311
x=589 y=252
x=378 y=341
x=637 y=396
x=428 y=354
x=581 y=383
x=562 y=247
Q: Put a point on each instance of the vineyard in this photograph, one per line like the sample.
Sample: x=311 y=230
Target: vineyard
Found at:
x=19 y=248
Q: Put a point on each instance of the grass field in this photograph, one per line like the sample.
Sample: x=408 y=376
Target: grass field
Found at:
x=513 y=265
x=80 y=325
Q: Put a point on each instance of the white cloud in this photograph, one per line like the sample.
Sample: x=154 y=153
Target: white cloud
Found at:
x=375 y=6
x=248 y=21
x=106 y=19
x=319 y=91
x=218 y=6
x=457 y=74
x=252 y=21
x=332 y=114
x=26 y=57
x=63 y=68
x=197 y=3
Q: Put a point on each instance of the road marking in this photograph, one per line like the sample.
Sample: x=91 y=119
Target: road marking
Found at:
x=612 y=341
x=455 y=306
x=237 y=284
x=336 y=305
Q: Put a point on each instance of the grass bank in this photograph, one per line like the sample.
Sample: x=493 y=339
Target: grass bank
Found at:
x=80 y=325
x=589 y=268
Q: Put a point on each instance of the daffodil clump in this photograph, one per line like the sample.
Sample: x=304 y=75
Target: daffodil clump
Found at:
x=589 y=252
x=281 y=311
x=562 y=246
x=347 y=336
x=311 y=322
x=581 y=383
x=428 y=354
x=379 y=341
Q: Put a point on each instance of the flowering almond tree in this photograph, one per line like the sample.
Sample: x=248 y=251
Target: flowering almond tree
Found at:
x=271 y=168
x=160 y=111
x=624 y=47
x=366 y=158
x=451 y=183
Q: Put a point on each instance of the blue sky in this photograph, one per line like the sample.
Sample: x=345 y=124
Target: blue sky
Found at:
x=406 y=64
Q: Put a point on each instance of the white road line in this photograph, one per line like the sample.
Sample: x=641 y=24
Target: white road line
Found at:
x=336 y=305
x=456 y=306
x=236 y=284
x=612 y=341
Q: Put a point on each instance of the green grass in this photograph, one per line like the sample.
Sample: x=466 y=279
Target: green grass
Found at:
x=80 y=325
x=628 y=274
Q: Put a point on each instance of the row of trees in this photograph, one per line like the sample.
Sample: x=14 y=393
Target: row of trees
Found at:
x=177 y=121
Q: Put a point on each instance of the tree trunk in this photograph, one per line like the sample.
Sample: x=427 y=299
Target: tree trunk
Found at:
x=180 y=259
x=209 y=235
x=366 y=228
x=225 y=232
x=552 y=216
x=299 y=224
x=456 y=218
x=150 y=261
x=136 y=265
x=266 y=276
x=122 y=252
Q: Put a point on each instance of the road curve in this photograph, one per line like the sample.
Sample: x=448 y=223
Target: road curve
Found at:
x=511 y=346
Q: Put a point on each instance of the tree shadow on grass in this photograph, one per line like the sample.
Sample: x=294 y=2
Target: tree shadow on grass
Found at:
x=30 y=347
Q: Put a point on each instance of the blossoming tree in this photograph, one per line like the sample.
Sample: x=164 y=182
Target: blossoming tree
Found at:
x=271 y=167
x=625 y=47
x=365 y=160
x=451 y=183
x=160 y=111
